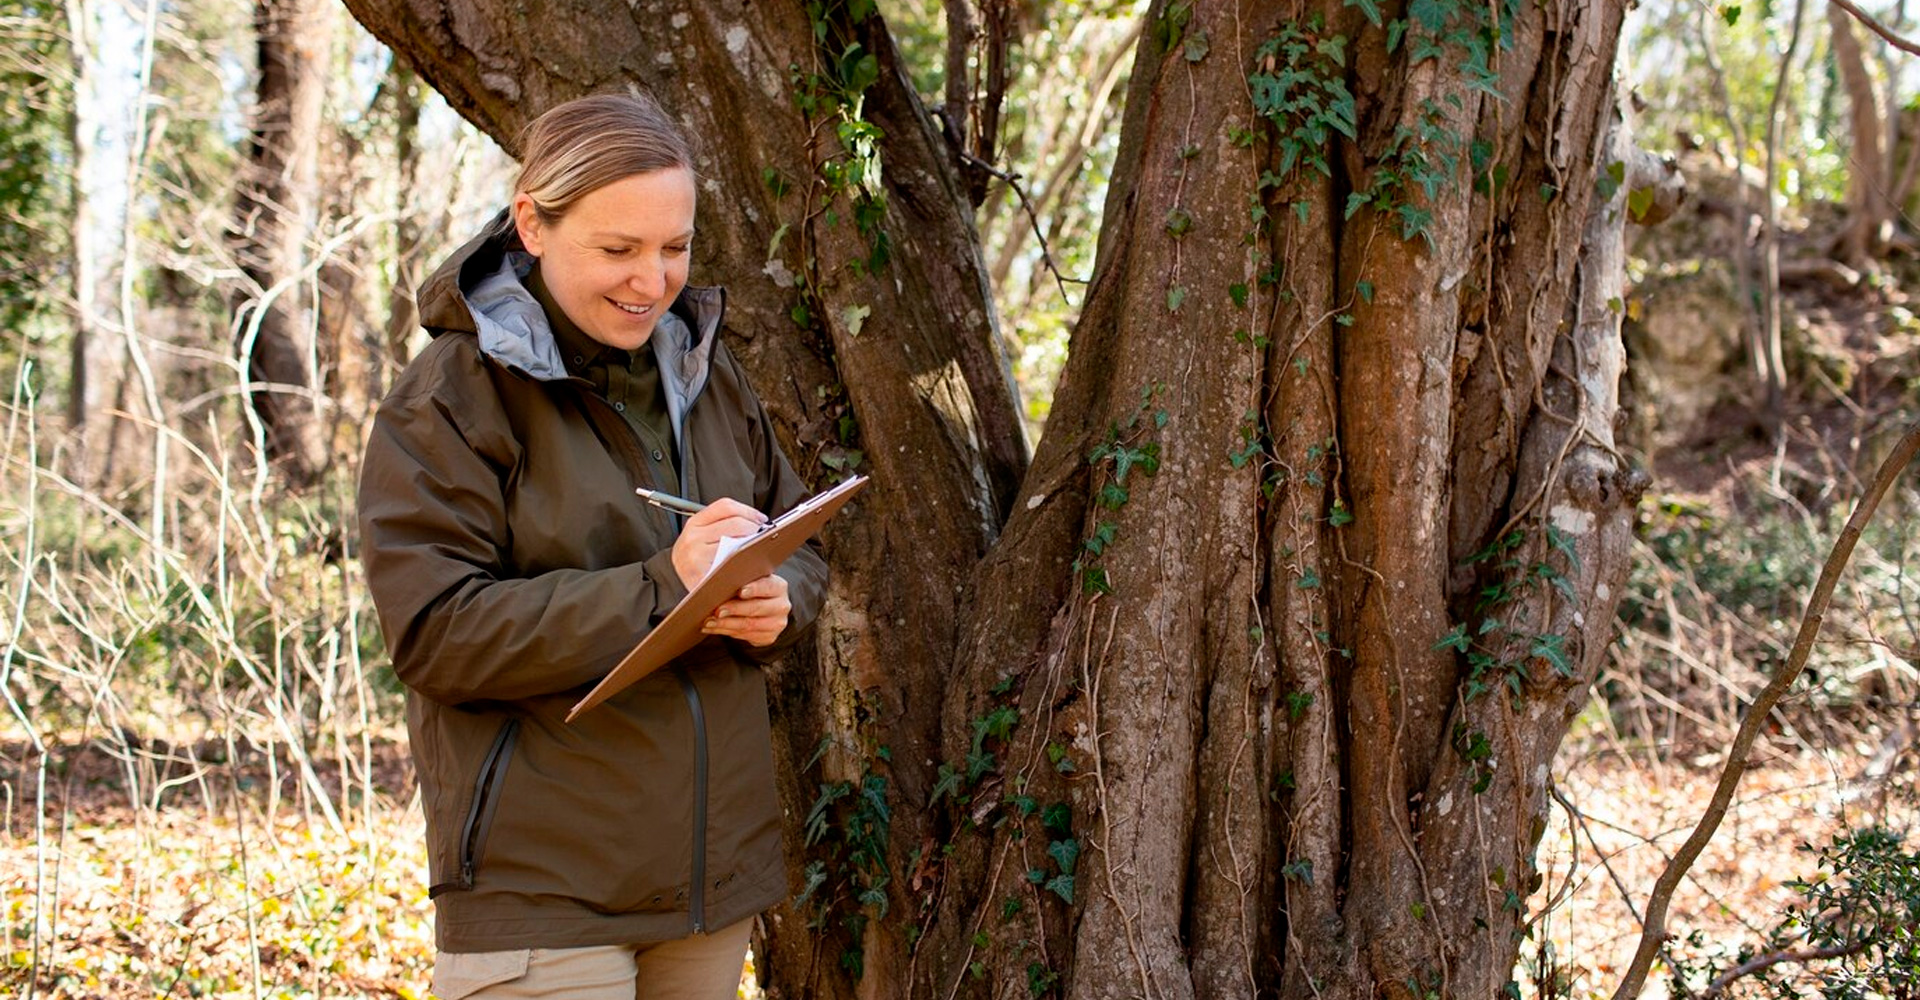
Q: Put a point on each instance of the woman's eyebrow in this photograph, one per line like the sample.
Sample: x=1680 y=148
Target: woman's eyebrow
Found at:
x=627 y=238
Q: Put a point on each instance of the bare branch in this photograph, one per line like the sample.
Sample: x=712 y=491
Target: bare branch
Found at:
x=960 y=32
x=1760 y=963
x=1877 y=28
x=1655 y=932
x=1013 y=181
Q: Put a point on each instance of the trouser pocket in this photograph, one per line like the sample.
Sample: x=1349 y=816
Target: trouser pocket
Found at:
x=458 y=974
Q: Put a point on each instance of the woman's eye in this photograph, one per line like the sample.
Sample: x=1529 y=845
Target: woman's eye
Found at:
x=616 y=251
x=678 y=249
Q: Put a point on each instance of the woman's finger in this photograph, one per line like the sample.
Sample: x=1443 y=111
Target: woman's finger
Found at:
x=723 y=509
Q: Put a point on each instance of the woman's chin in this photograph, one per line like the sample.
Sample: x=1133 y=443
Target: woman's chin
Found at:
x=625 y=335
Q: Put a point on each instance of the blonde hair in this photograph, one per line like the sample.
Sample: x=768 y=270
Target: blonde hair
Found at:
x=583 y=145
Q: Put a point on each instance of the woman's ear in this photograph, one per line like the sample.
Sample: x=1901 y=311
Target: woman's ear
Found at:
x=526 y=221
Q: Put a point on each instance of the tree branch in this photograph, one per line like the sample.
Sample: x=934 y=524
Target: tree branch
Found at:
x=1013 y=181
x=1654 y=933
x=1761 y=963
x=1877 y=28
x=960 y=32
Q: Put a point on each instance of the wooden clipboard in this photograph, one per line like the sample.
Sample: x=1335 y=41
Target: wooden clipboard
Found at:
x=756 y=557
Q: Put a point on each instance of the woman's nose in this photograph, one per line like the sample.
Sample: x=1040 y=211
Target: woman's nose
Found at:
x=649 y=278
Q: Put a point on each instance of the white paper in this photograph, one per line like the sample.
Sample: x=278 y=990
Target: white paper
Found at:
x=728 y=546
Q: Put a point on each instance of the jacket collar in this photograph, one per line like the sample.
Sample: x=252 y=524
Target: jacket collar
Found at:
x=480 y=290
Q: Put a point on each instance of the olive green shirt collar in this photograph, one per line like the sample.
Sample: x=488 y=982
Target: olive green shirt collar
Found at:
x=578 y=351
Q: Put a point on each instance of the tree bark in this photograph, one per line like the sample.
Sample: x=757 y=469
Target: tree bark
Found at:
x=97 y=362
x=275 y=215
x=1251 y=684
x=403 y=315
x=1868 y=205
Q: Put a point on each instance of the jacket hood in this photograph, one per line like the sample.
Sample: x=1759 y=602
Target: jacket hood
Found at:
x=478 y=290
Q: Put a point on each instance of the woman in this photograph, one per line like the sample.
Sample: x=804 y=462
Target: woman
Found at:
x=624 y=855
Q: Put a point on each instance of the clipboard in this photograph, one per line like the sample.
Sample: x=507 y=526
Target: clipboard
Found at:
x=734 y=566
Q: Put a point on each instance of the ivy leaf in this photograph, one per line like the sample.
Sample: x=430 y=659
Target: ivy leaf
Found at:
x=1730 y=13
x=949 y=784
x=1395 y=32
x=859 y=69
x=1175 y=296
x=855 y=317
x=1172 y=23
x=1610 y=179
x=1339 y=516
x=1238 y=292
x=1456 y=640
x=1369 y=8
x=1432 y=14
x=1552 y=648
x=1565 y=544
x=1198 y=46
x=1062 y=886
x=1065 y=853
x=1365 y=288
x=1334 y=48
x=816 y=876
x=1057 y=817
x=1640 y=202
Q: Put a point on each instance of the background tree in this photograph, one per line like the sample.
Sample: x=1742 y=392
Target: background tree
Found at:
x=1258 y=686
x=1869 y=181
x=37 y=83
x=276 y=216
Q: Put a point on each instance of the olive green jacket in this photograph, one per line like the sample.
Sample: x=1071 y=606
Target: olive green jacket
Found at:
x=512 y=566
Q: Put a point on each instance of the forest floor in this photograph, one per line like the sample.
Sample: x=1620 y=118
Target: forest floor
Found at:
x=210 y=893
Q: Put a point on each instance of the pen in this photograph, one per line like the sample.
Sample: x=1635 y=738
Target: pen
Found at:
x=667 y=501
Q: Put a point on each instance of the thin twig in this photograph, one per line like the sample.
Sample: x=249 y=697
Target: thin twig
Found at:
x=1876 y=27
x=1655 y=933
x=1769 y=960
x=1033 y=217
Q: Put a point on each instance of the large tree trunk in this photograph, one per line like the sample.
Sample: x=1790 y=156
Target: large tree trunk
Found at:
x=1251 y=685
x=275 y=216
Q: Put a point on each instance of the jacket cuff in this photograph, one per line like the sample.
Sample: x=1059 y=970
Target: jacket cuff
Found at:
x=668 y=589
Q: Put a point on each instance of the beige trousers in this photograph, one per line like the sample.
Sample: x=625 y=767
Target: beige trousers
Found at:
x=701 y=967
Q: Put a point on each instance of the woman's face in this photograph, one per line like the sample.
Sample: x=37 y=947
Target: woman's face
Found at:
x=618 y=258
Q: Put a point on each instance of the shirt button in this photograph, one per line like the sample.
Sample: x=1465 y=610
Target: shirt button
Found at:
x=622 y=407
x=579 y=359
x=657 y=456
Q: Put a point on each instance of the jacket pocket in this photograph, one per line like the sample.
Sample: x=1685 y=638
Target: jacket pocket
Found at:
x=486 y=802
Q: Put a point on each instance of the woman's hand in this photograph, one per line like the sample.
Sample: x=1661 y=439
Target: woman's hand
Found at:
x=693 y=550
x=756 y=615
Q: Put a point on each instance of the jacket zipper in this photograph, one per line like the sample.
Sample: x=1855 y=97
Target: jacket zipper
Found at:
x=486 y=794
x=698 y=903
x=697 y=900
